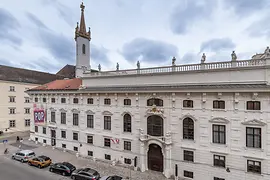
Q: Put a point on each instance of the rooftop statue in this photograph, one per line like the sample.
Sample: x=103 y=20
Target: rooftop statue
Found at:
x=173 y=61
x=138 y=65
x=99 y=67
x=117 y=66
x=203 y=58
x=234 y=57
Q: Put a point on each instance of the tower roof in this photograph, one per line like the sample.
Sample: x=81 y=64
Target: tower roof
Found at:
x=81 y=31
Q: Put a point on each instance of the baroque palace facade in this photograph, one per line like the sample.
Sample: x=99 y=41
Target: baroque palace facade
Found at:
x=198 y=121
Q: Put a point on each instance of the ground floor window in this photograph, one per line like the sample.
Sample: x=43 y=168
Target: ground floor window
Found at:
x=107 y=157
x=90 y=153
x=127 y=161
x=75 y=148
x=44 y=141
x=12 y=123
x=36 y=139
x=188 y=174
x=64 y=146
x=216 y=178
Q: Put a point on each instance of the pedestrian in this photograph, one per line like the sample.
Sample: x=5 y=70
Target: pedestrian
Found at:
x=18 y=138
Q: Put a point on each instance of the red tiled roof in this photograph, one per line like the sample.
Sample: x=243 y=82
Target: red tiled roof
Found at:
x=65 y=84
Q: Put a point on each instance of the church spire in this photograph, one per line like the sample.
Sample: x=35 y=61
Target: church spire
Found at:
x=80 y=31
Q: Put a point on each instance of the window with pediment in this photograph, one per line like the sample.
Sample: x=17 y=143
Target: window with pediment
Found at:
x=188 y=128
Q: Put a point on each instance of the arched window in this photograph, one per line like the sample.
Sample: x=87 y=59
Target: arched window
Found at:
x=188 y=128
x=155 y=125
x=154 y=101
x=83 y=48
x=127 y=123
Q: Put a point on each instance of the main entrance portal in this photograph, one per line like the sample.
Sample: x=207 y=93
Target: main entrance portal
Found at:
x=155 y=158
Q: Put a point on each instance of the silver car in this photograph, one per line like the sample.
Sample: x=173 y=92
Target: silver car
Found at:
x=23 y=155
x=111 y=178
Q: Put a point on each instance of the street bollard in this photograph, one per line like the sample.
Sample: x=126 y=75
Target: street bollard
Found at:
x=64 y=149
x=94 y=159
x=44 y=144
x=53 y=147
x=77 y=154
x=36 y=142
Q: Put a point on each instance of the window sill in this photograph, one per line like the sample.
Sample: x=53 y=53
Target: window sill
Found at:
x=253 y=111
x=253 y=173
x=219 y=144
x=219 y=110
x=188 y=108
x=189 y=140
x=254 y=149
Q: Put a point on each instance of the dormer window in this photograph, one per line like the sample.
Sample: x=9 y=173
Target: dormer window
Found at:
x=83 y=48
x=253 y=105
x=188 y=104
x=217 y=104
x=154 y=101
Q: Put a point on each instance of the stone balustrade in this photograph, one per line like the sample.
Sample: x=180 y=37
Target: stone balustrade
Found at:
x=180 y=68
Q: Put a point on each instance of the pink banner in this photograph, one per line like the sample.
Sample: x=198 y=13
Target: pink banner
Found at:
x=39 y=115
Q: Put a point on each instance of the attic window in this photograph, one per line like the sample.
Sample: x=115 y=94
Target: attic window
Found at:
x=67 y=86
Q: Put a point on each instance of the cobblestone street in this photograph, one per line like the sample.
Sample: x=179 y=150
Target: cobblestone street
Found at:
x=102 y=167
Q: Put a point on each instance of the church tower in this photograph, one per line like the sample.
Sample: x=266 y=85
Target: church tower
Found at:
x=82 y=39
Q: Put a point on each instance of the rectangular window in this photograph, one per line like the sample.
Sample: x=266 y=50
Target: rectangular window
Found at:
x=63 y=134
x=188 y=156
x=27 y=110
x=75 y=136
x=188 y=104
x=75 y=148
x=12 y=123
x=90 y=153
x=90 y=139
x=219 y=161
x=53 y=117
x=107 y=122
x=107 y=142
x=44 y=141
x=36 y=99
x=63 y=100
x=253 y=105
x=107 y=101
x=253 y=137
x=11 y=98
x=90 y=121
x=127 y=161
x=75 y=119
x=12 y=110
x=44 y=130
x=254 y=166
x=12 y=88
x=36 y=128
x=53 y=100
x=90 y=101
x=127 y=102
x=27 y=122
x=127 y=145
x=107 y=157
x=26 y=100
x=219 y=134
x=44 y=100
x=188 y=174
x=218 y=104
x=216 y=178
x=64 y=146
x=63 y=118
x=75 y=100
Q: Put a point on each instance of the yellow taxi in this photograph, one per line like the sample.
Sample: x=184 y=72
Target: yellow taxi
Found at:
x=40 y=161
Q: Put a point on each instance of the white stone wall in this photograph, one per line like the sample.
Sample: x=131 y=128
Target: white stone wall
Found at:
x=203 y=114
x=82 y=59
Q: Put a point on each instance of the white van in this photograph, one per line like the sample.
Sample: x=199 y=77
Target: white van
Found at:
x=23 y=155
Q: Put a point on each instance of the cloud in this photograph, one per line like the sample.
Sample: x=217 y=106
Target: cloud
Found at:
x=245 y=7
x=190 y=58
x=218 y=44
x=63 y=11
x=35 y=20
x=260 y=28
x=9 y=24
x=99 y=53
x=6 y=62
x=61 y=47
x=188 y=12
x=147 y=50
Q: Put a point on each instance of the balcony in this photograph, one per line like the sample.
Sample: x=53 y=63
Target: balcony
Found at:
x=166 y=140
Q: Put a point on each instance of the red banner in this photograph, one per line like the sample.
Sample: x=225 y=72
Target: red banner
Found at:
x=39 y=115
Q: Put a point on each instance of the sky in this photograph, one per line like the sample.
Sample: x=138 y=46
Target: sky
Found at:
x=39 y=34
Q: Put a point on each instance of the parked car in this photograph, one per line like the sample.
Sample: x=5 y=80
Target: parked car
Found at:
x=63 y=168
x=85 y=174
x=40 y=161
x=23 y=155
x=111 y=178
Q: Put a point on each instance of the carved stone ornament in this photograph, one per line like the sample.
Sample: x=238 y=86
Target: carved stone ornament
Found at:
x=254 y=122
x=75 y=110
x=89 y=112
x=107 y=113
x=62 y=110
x=52 y=109
x=219 y=120
x=154 y=110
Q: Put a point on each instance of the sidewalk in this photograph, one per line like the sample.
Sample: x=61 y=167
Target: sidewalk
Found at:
x=102 y=167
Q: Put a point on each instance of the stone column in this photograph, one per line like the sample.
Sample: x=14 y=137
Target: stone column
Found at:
x=142 y=157
x=167 y=171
